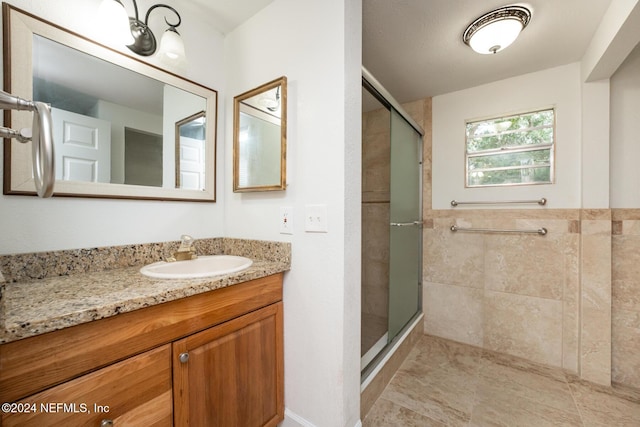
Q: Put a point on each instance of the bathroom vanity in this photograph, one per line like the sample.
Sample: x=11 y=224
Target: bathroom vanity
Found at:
x=198 y=352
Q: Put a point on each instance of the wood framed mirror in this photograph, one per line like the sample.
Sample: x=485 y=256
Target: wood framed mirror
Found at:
x=114 y=116
x=260 y=138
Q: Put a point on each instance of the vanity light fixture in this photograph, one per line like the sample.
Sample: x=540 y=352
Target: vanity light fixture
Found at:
x=494 y=31
x=269 y=103
x=141 y=38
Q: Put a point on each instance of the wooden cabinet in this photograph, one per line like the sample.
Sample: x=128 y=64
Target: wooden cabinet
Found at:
x=135 y=392
x=213 y=359
x=231 y=374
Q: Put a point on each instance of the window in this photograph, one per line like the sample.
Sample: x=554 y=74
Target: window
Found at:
x=513 y=150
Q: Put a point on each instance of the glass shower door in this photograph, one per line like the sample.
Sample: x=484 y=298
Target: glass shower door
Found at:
x=405 y=224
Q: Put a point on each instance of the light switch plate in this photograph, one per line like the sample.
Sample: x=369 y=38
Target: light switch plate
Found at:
x=286 y=220
x=315 y=219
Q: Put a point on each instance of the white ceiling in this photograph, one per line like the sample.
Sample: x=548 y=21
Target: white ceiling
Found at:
x=228 y=14
x=415 y=49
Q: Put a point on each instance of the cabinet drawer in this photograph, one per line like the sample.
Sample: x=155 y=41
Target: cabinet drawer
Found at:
x=134 y=392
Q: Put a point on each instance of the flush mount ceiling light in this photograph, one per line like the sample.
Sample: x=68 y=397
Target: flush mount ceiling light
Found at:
x=140 y=38
x=496 y=30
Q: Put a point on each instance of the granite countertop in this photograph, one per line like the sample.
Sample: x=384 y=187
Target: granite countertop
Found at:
x=33 y=307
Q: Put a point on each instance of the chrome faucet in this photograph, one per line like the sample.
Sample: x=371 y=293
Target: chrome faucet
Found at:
x=185 y=252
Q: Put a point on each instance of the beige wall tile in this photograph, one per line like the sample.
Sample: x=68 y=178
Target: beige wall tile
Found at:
x=376 y=121
x=595 y=214
x=625 y=299
x=524 y=326
x=626 y=347
x=375 y=256
x=453 y=312
x=415 y=109
x=571 y=298
x=625 y=294
x=595 y=352
x=625 y=214
x=631 y=227
x=376 y=163
x=526 y=265
x=626 y=272
x=453 y=258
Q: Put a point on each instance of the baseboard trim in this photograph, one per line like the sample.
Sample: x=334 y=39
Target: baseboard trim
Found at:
x=291 y=419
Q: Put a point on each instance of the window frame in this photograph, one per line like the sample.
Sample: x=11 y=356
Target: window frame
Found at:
x=512 y=150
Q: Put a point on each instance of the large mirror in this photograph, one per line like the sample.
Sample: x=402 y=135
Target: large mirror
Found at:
x=122 y=128
x=260 y=138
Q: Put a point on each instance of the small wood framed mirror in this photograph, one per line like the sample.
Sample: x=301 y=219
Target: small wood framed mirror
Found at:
x=260 y=138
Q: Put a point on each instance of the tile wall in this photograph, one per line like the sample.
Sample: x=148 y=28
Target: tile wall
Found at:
x=625 y=297
x=516 y=294
x=570 y=299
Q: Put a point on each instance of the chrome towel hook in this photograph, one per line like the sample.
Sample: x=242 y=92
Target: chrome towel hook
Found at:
x=41 y=137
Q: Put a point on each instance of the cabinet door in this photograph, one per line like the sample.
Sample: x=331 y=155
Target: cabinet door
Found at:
x=231 y=374
x=134 y=392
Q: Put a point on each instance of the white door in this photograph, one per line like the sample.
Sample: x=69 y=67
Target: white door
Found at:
x=83 y=147
x=191 y=163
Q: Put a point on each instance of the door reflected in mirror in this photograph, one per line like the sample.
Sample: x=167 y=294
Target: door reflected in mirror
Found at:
x=190 y=151
x=110 y=132
x=259 y=141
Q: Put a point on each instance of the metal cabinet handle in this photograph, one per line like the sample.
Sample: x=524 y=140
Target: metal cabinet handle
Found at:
x=184 y=357
x=106 y=423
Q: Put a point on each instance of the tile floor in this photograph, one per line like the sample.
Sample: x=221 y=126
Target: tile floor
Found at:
x=443 y=383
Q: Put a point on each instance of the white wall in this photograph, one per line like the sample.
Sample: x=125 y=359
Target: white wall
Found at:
x=625 y=133
x=557 y=87
x=29 y=224
x=309 y=42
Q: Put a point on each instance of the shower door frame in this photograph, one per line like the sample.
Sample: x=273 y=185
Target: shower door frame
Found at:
x=386 y=99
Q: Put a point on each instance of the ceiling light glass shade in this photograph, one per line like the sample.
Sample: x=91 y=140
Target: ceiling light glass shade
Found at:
x=115 y=22
x=496 y=30
x=496 y=36
x=171 y=45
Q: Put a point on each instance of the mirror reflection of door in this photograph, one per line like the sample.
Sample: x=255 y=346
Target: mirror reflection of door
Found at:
x=84 y=147
x=190 y=152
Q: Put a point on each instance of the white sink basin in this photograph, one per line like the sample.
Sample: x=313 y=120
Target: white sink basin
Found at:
x=203 y=266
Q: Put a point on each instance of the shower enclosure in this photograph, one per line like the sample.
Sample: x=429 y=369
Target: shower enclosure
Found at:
x=391 y=222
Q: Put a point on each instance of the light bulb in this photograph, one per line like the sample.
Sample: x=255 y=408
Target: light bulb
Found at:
x=115 y=22
x=171 y=45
